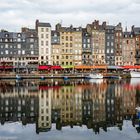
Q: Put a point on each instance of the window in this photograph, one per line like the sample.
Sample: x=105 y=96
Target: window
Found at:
x=127 y=41
x=66 y=38
x=6 y=52
x=18 y=46
x=70 y=38
x=107 y=43
x=31 y=46
x=31 y=40
x=19 y=51
x=23 y=51
x=46 y=50
x=70 y=44
x=88 y=40
x=47 y=36
x=66 y=44
x=32 y=52
x=6 y=45
x=42 y=35
x=47 y=29
x=46 y=43
x=112 y=43
x=42 y=43
x=42 y=29
x=107 y=51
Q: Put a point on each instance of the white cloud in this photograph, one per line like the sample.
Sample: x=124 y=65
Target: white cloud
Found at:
x=17 y=13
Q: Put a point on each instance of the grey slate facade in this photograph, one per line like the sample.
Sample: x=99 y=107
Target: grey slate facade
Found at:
x=109 y=45
x=18 y=47
x=55 y=37
x=136 y=33
x=86 y=48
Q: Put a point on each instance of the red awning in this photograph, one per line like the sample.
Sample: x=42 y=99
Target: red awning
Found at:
x=44 y=67
x=6 y=67
x=56 y=67
x=49 y=87
x=131 y=67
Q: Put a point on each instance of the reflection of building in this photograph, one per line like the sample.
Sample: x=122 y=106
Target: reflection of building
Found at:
x=87 y=103
x=119 y=104
x=129 y=101
x=96 y=105
x=67 y=107
x=44 y=118
x=18 y=104
x=110 y=103
x=98 y=97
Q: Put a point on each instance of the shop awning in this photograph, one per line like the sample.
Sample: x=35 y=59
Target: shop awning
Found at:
x=83 y=67
x=44 y=67
x=6 y=67
x=114 y=67
x=41 y=87
x=90 y=67
x=67 y=66
x=131 y=67
x=56 y=68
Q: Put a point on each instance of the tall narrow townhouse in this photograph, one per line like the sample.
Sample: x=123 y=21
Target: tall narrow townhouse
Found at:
x=86 y=48
x=136 y=32
x=77 y=46
x=118 y=44
x=128 y=48
x=66 y=42
x=97 y=41
x=110 y=45
x=44 y=37
x=56 y=48
x=71 y=45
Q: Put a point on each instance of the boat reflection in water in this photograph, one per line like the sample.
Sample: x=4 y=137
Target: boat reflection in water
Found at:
x=99 y=104
x=97 y=81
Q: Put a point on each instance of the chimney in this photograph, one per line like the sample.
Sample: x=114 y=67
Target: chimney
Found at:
x=104 y=24
x=58 y=26
x=36 y=24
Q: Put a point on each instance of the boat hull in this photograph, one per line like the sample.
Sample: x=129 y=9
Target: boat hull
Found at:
x=95 y=76
x=135 y=74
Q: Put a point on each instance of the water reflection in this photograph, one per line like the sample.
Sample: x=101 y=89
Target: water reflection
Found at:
x=96 y=104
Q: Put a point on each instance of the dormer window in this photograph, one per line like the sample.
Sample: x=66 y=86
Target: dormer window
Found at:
x=6 y=35
x=19 y=35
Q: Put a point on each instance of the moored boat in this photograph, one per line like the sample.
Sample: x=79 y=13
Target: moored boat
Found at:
x=18 y=77
x=135 y=74
x=95 y=76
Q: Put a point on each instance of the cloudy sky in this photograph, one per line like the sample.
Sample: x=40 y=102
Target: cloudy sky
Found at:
x=18 y=13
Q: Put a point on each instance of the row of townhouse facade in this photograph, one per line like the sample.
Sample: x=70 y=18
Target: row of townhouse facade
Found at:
x=96 y=44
